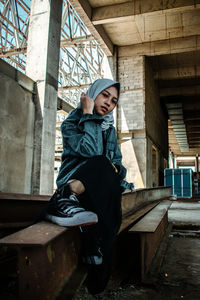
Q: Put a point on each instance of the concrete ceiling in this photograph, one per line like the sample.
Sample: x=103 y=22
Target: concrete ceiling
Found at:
x=168 y=32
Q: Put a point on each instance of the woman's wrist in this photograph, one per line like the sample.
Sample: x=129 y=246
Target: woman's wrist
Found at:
x=85 y=111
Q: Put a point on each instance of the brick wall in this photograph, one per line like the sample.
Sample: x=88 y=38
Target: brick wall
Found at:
x=131 y=104
x=140 y=114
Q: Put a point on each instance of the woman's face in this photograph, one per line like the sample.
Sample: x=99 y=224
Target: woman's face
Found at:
x=106 y=101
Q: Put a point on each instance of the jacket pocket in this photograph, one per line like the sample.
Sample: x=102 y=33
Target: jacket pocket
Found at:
x=110 y=146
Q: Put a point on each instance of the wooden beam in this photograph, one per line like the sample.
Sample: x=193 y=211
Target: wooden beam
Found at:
x=169 y=46
x=84 y=11
x=125 y=12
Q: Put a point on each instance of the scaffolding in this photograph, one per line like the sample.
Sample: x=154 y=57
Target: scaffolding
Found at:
x=80 y=55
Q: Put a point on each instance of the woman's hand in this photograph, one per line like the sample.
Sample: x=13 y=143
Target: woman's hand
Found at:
x=87 y=104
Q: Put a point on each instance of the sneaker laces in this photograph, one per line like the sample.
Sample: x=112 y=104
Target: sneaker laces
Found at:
x=70 y=205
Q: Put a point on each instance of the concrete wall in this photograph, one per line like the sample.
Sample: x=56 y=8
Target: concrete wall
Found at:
x=17 y=114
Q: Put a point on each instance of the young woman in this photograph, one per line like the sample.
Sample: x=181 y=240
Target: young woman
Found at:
x=91 y=179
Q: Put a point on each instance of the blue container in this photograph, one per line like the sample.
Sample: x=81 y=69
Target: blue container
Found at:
x=180 y=181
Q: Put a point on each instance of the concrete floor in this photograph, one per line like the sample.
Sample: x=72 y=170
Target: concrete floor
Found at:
x=184 y=213
x=179 y=275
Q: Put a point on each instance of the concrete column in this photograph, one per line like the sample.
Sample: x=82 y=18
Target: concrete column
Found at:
x=131 y=121
x=197 y=165
x=141 y=120
x=113 y=64
x=170 y=160
x=174 y=162
x=42 y=66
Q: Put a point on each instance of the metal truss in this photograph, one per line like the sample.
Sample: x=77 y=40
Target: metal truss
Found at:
x=80 y=55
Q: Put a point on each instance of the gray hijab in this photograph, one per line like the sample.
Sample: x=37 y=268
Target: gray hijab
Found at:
x=95 y=89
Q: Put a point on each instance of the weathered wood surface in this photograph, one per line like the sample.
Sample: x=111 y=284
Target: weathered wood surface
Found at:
x=151 y=221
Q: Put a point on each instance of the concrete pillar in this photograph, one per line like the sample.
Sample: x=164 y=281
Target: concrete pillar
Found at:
x=42 y=66
x=113 y=64
x=197 y=165
x=170 y=160
x=174 y=162
x=131 y=122
x=141 y=120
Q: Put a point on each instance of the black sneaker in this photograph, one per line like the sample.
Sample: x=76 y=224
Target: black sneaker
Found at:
x=96 y=259
x=91 y=247
x=68 y=212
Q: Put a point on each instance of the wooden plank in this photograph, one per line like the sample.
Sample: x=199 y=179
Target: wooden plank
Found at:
x=44 y=270
x=157 y=260
x=38 y=234
x=15 y=208
x=150 y=222
x=53 y=245
x=41 y=233
x=44 y=248
x=142 y=197
x=150 y=242
x=134 y=216
x=26 y=197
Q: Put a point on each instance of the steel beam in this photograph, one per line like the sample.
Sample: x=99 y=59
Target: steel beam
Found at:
x=46 y=250
x=74 y=35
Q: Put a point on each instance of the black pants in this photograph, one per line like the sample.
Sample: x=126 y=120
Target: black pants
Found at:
x=103 y=196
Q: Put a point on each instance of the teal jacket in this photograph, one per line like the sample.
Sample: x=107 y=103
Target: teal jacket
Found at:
x=83 y=139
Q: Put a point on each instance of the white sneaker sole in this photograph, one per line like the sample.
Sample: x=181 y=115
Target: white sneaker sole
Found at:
x=79 y=219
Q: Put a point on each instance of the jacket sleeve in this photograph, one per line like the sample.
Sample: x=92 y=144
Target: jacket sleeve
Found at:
x=117 y=161
x=83 y=139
